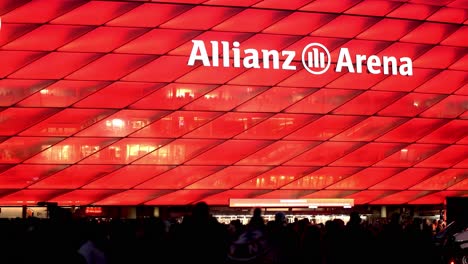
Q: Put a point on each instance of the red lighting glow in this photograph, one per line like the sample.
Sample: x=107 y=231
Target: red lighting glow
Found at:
x=152 y=103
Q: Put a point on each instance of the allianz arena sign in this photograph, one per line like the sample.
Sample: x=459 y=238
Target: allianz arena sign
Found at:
x=315 y=58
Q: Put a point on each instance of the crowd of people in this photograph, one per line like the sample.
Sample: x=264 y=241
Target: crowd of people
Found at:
x=200 y=238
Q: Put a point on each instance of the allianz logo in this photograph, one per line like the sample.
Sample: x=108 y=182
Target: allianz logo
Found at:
x=315 y=58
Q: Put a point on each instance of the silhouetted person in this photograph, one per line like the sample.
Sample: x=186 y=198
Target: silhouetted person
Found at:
x=201 y=238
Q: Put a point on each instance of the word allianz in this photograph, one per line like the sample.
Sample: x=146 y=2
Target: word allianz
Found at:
x=220 y=56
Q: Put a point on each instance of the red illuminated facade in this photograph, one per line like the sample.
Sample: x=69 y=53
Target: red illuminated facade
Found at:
x=98 y=104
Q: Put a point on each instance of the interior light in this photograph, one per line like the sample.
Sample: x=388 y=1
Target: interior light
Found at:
x=117 y=123
x=404 y=150
x=416 y=104
x=44 y=91
x=313 y=206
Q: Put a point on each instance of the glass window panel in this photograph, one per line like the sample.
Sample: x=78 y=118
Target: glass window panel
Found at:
x=368 y=103
x=51 y=66
x=103 y=39
x=228 y=177
x=364 y=178
x=127 y=177
x=369 y=154
x=329 y=194
x=23 y=175
x=70 y=150
x=86 y=13
x=402 y=197
x=274 y=99
x=373 y=8
x=280 y=194
x=125 y=151
x=411 y=104
x=442 y=180
x=447 y=134
x=131 y=197
x=178 y=151
x=179 y=177
x=168 y=39
x=278 y=152
x=13 y=60
x=413 y=11
x=182 y=197
x=111 y=67
x=438 y=33
x=162 y=69
x=14 y=120
x=324 y=127
x=228 y=125
x=118 y=95
x=28 y=197
x=364 y=197
x=412 y=130
x=263 y=19
x=369 y=129
x=277 y=126
x=460 y=186
x=439 y=57
x=280 y=4
x=173 y=96
x=276 y=177
x=458 y=38
x=449 y=15
x=354 y=26
x=122 y=123
x=67 y=122
x=39 y=11
x=224 y=98
x=450 y=107
x=445 y=82
x=47 y=37
x=410 y=155
x=403 y=83
x=322 y=101
x=229 y=152
x=324 y=154
x=446 y=157
x=82 y=197
x=262 y=76
x=17 y=149
x=437 y=198
x=63 y=93
x=299 y=23
x=195 y=18
x=322 y=178
x=329 y=6
x=149 y=15
x=405 y=179
x=176 y=124
x=361 y=81
x=12 y=91
x=74 y=177
x=394 y=29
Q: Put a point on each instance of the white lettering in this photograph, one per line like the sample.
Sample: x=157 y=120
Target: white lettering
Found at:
x=266 y=58
x=406 y=69
x=386 y=63
x=314 y=55
x=373 y=61
x=344 y=60
x=251 y=60
x=289 y=58
x=198 y=48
